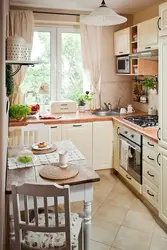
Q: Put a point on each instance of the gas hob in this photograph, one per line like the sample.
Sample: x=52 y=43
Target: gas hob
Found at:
x=144 y=121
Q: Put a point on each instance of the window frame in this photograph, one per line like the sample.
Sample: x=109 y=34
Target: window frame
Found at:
x=55 y=56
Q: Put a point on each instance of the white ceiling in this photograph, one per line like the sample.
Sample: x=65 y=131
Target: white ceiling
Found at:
x=121 y=6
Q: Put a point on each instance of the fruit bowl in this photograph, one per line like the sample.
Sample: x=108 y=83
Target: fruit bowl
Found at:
x=34 y=109
x=33 y=112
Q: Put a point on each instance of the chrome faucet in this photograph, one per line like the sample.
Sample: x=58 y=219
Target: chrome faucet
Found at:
x=108 y=106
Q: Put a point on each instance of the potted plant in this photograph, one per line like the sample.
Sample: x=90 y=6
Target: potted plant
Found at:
x=81 y=104
x=88 y=97
x=18 y=112
x=148 y=85
x=9 y=81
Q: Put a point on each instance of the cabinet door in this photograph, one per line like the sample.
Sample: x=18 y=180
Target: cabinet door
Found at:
x=122 y=42
x=148 y=35
x=163 y=186
x=102 y=145
x=116 y=147
x=163 y=19
x=55 y=133
x=81 y=136
x=163 y=91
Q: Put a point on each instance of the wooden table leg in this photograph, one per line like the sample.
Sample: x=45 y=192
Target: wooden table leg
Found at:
x=87 y=224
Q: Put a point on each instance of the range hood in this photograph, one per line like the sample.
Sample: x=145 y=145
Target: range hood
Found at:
x=151 y=55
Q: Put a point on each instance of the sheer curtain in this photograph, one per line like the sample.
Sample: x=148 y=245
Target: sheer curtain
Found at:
x=91 y=39
x=21 y=23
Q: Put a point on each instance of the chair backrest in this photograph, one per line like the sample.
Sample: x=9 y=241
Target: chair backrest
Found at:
x=36 y=191
x=32 y=133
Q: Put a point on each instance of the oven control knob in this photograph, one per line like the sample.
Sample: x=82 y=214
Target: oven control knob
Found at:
x=132 y=136
x=125 y=132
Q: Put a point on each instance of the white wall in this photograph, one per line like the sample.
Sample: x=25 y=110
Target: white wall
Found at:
x=4 y=8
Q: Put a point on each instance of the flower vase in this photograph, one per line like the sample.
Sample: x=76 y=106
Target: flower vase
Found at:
x=81 y=108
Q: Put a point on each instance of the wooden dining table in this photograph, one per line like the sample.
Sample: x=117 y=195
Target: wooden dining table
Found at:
x=81 y=188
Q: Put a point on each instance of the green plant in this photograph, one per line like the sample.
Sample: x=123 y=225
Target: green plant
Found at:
x=81 y=102
x=87 y=96
x=9 y=80
x=148 y=83
x=17 y=111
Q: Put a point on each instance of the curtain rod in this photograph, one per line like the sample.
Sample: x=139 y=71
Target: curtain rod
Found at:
x=56 y=13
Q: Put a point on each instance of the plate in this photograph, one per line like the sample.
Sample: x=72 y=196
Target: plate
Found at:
x=35 y=147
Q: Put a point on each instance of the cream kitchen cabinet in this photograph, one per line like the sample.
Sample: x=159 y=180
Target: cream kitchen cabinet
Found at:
x=162 y=133
x=163 y=19
x=122 y=42
x=81 y=136
x=148 y=35
x=116 y=144
x=102 y=145
x=163 y=186
x=55 y=133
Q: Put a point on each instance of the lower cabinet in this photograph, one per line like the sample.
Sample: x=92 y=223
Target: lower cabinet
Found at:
x=102 y=145
x=163 y=186
x=55 y=133
x=81 y=136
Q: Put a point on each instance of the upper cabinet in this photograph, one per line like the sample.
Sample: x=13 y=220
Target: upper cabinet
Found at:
x=162 y=22
x=148 y=35
x=122 y=42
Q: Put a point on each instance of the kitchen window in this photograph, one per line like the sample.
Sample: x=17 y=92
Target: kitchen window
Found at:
x=59 y=52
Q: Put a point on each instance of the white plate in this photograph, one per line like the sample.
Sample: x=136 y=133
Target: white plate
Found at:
x=35 y=146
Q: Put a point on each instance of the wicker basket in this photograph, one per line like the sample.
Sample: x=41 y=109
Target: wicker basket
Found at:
x=15 y=48
x=27 y=52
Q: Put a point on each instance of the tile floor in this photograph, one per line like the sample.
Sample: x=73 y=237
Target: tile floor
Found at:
x=120 y=221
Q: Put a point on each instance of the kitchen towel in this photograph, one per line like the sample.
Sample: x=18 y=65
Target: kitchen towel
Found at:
x=124 y=155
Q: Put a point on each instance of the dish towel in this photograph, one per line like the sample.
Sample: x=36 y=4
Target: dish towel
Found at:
x=124 y=155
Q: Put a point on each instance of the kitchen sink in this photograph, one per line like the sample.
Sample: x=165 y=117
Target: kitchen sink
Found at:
x=105 y=113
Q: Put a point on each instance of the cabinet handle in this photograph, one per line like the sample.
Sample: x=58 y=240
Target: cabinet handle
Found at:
x=76 y=126
x=147 y=47
x=128 y=177
x=151 y=159
x=132 y=136
x=118 y=131
x=158 y=23
x=148 y=192
x=54 y=127
x=158 y=159
x=150 y=174
x=151 y=145
x=120 y=52
x=158 y=134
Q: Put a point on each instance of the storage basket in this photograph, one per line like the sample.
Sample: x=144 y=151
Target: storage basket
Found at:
x=27 y=52
x=15 y=48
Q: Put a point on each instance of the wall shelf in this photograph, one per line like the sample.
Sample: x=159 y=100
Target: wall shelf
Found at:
x=20 y=64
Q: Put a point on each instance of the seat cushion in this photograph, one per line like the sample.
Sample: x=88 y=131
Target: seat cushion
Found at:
x=38 y=240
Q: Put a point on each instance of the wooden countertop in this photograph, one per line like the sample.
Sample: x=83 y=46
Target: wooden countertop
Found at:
x=89 y=117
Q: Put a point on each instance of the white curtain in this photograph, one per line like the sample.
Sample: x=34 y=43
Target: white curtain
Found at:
x=91 y=39
x=21 y=23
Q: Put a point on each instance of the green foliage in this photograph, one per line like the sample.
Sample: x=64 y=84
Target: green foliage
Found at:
x=17 y=111
x=81 y=102
x=9 y=80
x=148 y=83
x=87 y=96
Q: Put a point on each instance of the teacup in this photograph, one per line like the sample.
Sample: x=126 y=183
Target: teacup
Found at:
x=63 y=158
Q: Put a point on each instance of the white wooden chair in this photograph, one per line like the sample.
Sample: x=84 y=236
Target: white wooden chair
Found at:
x=46 y=230
x=33 y=132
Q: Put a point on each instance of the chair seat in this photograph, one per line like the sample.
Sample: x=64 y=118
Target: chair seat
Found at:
x=38 y=240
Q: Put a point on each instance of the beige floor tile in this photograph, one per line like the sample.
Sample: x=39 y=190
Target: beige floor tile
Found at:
x=158 y=232
x=111 y=213
x=139 y=221
x=158 y=243
x=103 y=231
x=106 y=181
x=137 y=205
x=130 y=239
x=98 y=246
x=123 y=198
x=113 y=248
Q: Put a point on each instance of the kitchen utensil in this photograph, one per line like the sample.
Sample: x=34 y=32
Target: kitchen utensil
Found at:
x=130 y=109
x=123 y=111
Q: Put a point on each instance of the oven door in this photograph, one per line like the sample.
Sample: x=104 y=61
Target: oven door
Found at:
x=131 y=158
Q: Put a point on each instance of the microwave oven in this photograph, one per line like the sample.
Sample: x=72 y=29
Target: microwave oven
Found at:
x=123 y=65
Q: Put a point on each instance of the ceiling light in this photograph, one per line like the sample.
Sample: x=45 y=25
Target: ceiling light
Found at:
x=103 y=16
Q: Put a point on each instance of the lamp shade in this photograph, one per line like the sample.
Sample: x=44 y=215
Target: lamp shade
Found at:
x=103 y=16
